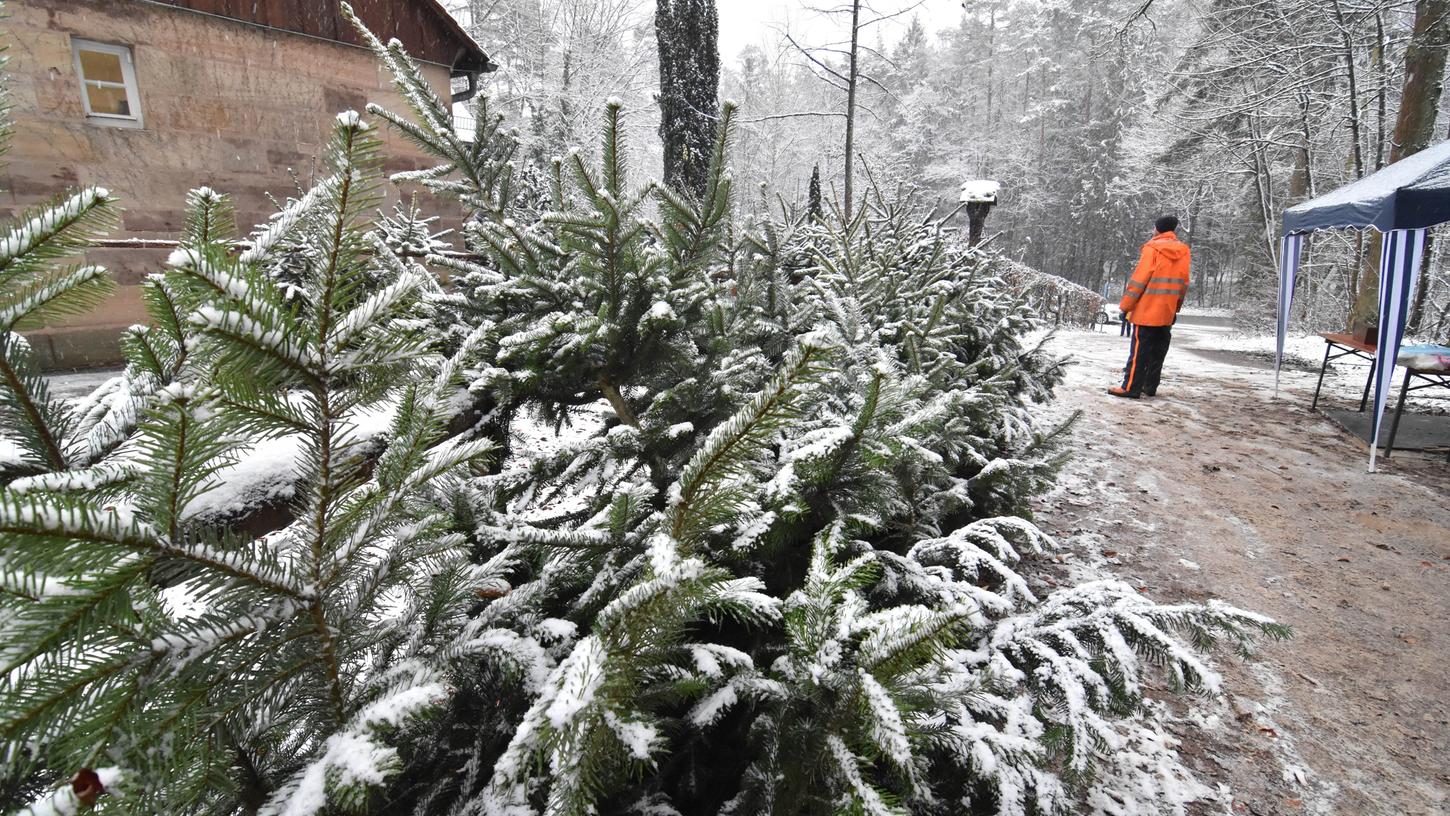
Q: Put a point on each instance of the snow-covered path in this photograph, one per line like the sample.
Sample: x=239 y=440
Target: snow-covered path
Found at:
x=1214 y=489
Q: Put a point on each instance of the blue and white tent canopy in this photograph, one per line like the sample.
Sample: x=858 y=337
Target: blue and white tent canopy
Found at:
x=1401 y=201
x=1412 y=193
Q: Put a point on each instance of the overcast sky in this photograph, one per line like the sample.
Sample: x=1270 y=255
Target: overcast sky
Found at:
x=758 y=22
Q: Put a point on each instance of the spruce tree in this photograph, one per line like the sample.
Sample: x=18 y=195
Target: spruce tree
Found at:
x=40 y=282
x=409 y=233
x=781 y=567
x=38 y=286
x=181 y=668
x=687 y=32
x=779 y=562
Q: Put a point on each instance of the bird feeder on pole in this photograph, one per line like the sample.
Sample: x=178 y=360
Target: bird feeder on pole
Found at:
x=979 y=196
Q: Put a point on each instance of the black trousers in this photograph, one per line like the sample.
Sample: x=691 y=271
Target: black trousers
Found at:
x=1145 y=359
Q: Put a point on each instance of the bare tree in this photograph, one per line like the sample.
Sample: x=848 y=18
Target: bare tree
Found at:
x=851 y=79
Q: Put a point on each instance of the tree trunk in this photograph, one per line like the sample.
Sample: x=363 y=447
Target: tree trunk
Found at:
x=1417 y=309
x=1415 y=127
x=1299 y=179
x=816 y=211
x=851 y=106
x=687 y=34
x=1192 y=234
x=1264 y=191
x=1383 y=92
x=1355 y=130
x=977 y=221
x=1424 y=75
x=991 y=58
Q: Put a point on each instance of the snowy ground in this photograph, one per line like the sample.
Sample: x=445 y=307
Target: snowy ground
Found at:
x=1215 y=489
x=78 y=383
x=1207 y=311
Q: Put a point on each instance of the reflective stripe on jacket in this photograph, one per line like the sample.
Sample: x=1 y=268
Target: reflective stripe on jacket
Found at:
x=1160 y=283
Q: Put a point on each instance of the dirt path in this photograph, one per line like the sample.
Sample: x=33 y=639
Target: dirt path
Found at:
x=1215 y=490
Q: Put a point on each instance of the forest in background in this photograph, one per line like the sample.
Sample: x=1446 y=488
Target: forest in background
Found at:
x=1094 y=116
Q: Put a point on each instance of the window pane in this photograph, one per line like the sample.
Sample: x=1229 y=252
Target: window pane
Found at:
x=101 y=66
x=108 y=100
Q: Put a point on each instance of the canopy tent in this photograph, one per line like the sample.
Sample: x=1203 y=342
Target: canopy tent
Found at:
x=1401 y=201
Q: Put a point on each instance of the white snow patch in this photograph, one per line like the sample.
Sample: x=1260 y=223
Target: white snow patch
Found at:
x=267 y=471
x=980 y=191
x=63 y=802
x=557 y=629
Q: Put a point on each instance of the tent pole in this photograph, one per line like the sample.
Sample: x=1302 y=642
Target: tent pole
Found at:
x=1290 y=248
x=1400 y=255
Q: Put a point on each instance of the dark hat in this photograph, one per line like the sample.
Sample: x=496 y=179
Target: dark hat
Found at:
x=1166 y=223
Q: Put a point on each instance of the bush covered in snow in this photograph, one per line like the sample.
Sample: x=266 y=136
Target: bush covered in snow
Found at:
x=1057 y=301
x=776 y=560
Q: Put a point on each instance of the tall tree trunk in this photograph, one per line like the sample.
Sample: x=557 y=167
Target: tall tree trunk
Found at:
x=817 y=212
x=1264 y=190
x=1383 y=93
x=1422 y=289
x=688 y=33
x=991 y=58
x=1415 y=127
x=1424 y=76
x=1355 y=130
x=1301 y=181
x=1192 y=234
x=851 y=106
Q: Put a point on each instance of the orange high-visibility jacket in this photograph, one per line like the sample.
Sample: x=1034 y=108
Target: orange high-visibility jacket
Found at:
x=1160 y=283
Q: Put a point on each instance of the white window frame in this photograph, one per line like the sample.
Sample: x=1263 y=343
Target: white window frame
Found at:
x=128 y=75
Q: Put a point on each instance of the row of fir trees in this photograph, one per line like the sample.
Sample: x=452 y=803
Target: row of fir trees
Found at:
x=774 y=562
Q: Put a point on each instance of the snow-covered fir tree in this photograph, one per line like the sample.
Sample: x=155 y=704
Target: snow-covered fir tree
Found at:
x=674 y=515
x=409 y=233
x=39 y=283
x=780 y=570
x=185 y=668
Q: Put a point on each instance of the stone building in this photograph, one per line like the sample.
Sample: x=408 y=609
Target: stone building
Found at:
x=151 y=98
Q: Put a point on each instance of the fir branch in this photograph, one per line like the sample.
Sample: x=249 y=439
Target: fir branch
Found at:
x=725 y=451
x=47 y=234
x=27 y=392
x=47 y=298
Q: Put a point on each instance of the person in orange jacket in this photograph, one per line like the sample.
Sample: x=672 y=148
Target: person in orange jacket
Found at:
x=1154 y=297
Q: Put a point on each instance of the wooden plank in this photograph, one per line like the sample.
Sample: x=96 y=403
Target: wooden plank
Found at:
x=424 y=27
x=1347 y=341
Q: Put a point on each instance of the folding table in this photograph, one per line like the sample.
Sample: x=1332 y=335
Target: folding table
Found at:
x=1350 y=347
x=1431 y=368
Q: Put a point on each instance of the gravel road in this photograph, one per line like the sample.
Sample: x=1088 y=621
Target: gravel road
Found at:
x=1216 y=489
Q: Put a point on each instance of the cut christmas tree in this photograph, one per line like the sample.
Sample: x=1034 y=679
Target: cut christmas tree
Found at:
x=674 y=515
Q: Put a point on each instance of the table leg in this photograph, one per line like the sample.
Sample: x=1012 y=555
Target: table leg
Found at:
x=1364 y=398
x=1399 y=409
x=1327 y=347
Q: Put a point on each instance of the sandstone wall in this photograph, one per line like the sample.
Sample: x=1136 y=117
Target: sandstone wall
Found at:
x=237 y=107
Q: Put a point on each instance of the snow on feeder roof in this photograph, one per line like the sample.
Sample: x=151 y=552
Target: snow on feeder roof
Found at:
x=980 y=191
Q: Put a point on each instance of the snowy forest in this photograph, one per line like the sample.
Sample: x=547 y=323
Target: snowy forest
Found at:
x=706 y=461
x=1093 y=116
